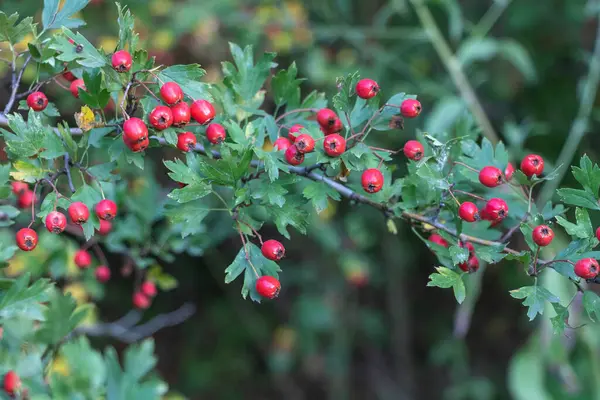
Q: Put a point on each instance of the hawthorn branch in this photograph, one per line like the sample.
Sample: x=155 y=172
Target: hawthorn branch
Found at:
x=16 y=80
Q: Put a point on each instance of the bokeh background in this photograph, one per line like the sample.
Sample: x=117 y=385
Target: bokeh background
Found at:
x=355 y=319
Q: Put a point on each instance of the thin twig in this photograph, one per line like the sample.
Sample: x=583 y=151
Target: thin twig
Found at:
x=16 y=79
x=68 y=173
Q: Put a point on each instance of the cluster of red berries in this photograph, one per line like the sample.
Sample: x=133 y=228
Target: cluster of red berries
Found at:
x=142 y=298
x=269 y=286
x=25 y=196
x=472 y=263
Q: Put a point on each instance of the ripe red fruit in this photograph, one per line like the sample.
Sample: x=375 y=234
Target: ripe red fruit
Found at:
x=268 y=286
x=136 y=147
x=469 y=247
x=215 y=133
x=293 y=156
x=161 y=117
x=12 y=382
x=532 y=164
x=273 y=250
x=37 y=101
x=68 y=75
x=334 y=145
x=121 y=61
x=78 y=212
x=148 y=288
x=542 y=235
x=437 y=239
x=186 y=141
x=202 y=111
x=335 y=127
x=305 y=143
x=26 y=239
x=171 y=93
x=472 y=264
x=181 y=113
x=367 y=88
x=83 y=259
x=326 y=118
x=106 y=209
x=372 y=180
x=75 y=86
x=294 y=130
x=490 y=176
x=410 y=108
x=413 y=150
x=26 y=199
x=102 y=273
x=587 y=268
x=495 y=210
x=140 y=301
x=19 y=188
x=105 y=227
x=134 y=131
x=509 y=171
x=281 y=144
x=468 y=212
x=598 y=233
x=56 y=222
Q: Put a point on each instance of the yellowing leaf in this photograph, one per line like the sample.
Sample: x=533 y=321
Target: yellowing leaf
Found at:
x=86 y=120
x=77 y=291
x=59 y=366
x=267 y=145
x=108 y=43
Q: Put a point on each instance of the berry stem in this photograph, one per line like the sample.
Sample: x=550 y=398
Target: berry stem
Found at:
x=386 y=150
x=298 y=110
x=100 y=254
x=466 y=166
x=33 y=205
x=253 y=230
x=468 y=194
x=150 y=91
x=454 y=197
x=59 y=84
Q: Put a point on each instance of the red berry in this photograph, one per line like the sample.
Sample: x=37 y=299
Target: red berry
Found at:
x=268 y=286
x=78 y=212
x=305 y=143
x=293 y=156
x=136 y=147
x=334 y=145
x=215 y=133
x=106 y=209
x=294 y=130
x=469 y=247
x=27 y=239
x=598 y=233
x=542 y=235
x=140 y=301
x=12 y=382
x=148 y=288
x=410 y=108
x=509 y=171
x=105 y=227
x=490 y=176
x=186 y=141
x=413 y=150
x=26 y=199
x=83 y=259
x=134 y=131
x=161 y=117
x=37 y=101
x=171 y=93
x=367 y=88
x=19 y=188
x=56 y=222
x=281 y=144
x=495 y=210
x=437 y=239
x=75 y=86
x=468 y=212
x=587 y=268
x=121 y=61
x=335 y=127
x=102 y=273
x=532 y=164
x=326 y=118
x=68 y=75
x=202 y=111
x=372 y=180
x=181 y=113
x=273 y=250
x=472 y=264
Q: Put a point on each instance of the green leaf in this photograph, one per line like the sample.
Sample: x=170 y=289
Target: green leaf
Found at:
x=60 y=318
x=583 y=229
x=247 y=78
x=87 y=57
x=446 y=278
x=285 y=86
x=591 y=303
x=535 y=297
x=13 y=32
x=48 y=205
x=26 y=138
x=320 y=193
x=190 y=216
x=579 y=198
x=458 y=254
x=188 y=77
x=103 y=172
x=87 y=372
x=269 y=193
x=181 y=173
x=290 y=214
x=27 y=172
x=52 y=18
x=587 y=174
x=251 y=262
x=139 y=359
x=127 y=37
x=560 y=320
x=272 y=163
x=346 y=86
x=490 y=254
x=94 y=94
x=7 y=251
x=23 y=300
x=191 y=192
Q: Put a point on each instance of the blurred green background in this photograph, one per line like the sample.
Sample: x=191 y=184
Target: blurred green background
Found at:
x=355 y=319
